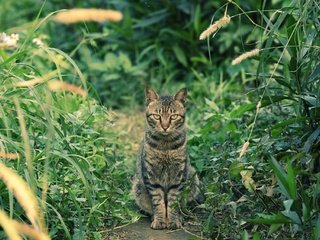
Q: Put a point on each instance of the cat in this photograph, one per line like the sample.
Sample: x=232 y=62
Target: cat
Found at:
x=163 y=166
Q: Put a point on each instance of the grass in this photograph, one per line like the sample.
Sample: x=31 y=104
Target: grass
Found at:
x=71 y=116
x=63 y=140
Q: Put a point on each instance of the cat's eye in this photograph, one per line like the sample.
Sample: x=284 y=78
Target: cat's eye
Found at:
x=156 y=116
x=174 y=116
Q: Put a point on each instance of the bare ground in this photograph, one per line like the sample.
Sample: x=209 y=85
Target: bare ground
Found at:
x=141 y=231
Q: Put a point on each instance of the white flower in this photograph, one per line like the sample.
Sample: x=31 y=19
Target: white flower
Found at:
x=38 y=42
x=8 y=40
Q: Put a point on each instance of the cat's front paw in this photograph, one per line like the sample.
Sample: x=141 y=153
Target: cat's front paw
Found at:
x=174 y=224
x=158 y=224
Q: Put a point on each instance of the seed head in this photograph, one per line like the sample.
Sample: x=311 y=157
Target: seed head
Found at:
x=245 y=55
x=215 y=26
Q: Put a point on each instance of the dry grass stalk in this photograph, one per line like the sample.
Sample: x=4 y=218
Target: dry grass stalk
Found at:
x=4 y=45
x=258 y=106
x=215 y=26
x=244 y=148
x=22 y=193
x=245 y=55
x=9 y=155
x=29 y=83
x=83 y=15
x=8 y=227
x=25 y=137
x=36 y=80
x=27 y=230
x=60 y=86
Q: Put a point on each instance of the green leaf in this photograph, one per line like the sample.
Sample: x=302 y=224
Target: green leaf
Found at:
x=12 y=57
x=311 y=139
x=268 y=100
x=180 y=55
x=305 y=211
x=312 y=100
x=270 y=219
x=284 y=83
x=316 y=229
x=281 y=176
x=235 y=169
x=289 y=121
x=242 y=109
x=245 y=235
x=212 y=104
x=197 y=18
x=256 y=236
x=315 y=74
x=274 y=227
x=287 y=204
x=153 y=18
x=293 y=216
x=291 y=179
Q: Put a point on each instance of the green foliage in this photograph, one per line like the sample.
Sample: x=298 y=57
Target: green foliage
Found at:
x=273 y=189
x=77 y=170
x=285 y=85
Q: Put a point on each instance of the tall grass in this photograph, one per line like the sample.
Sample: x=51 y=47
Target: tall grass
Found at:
x=59 y=141
x=286 y=81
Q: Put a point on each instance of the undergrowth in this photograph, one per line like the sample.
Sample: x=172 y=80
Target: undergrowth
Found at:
x=76 y=166
x=71 y=98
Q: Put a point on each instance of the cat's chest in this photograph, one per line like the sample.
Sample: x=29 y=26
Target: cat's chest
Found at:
x=166 y=167
x=167 y=158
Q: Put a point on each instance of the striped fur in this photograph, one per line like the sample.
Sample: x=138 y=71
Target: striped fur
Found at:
x=163 y=166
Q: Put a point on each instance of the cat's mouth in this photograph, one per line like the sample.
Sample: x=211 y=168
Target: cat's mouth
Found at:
x=165 y=133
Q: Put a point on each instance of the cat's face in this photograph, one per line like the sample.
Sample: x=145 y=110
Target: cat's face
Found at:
x=165 y=114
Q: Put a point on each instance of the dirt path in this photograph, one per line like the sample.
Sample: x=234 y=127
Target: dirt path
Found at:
x=130 y=129
x=141 y=231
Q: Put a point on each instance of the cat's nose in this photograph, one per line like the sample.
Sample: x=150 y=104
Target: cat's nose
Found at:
x=165 y=127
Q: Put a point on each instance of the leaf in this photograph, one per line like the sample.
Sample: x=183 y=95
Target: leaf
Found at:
x=245 y=235
x=270 y=219
x=247 y=180
x=281 y=176
x=12 y=57
x=316 y=229
x=242 y=109
x=274 y=227
x=268 y=100
x=307 y=45
x=293 y=216
x=269 y=192
x=235 y=169
x=212 y=104
x=289 y=121
x=256 y=236
x=287 y=204
x=291 y=178
x=305 y=211
x=284 y=83
x=315 y=74
x=153 y=18
x=197 y=17
x=311 y=139
x=180 y=55
x=209 y=223
x=125 y=62
x=312 y=100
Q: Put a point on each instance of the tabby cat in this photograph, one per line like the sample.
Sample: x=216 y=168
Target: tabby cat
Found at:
x=163 y=166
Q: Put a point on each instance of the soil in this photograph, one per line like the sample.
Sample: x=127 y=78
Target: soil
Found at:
x=141 y=231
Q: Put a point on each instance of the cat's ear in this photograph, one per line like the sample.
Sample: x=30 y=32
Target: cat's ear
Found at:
x=150 y=95
x=181 y=95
